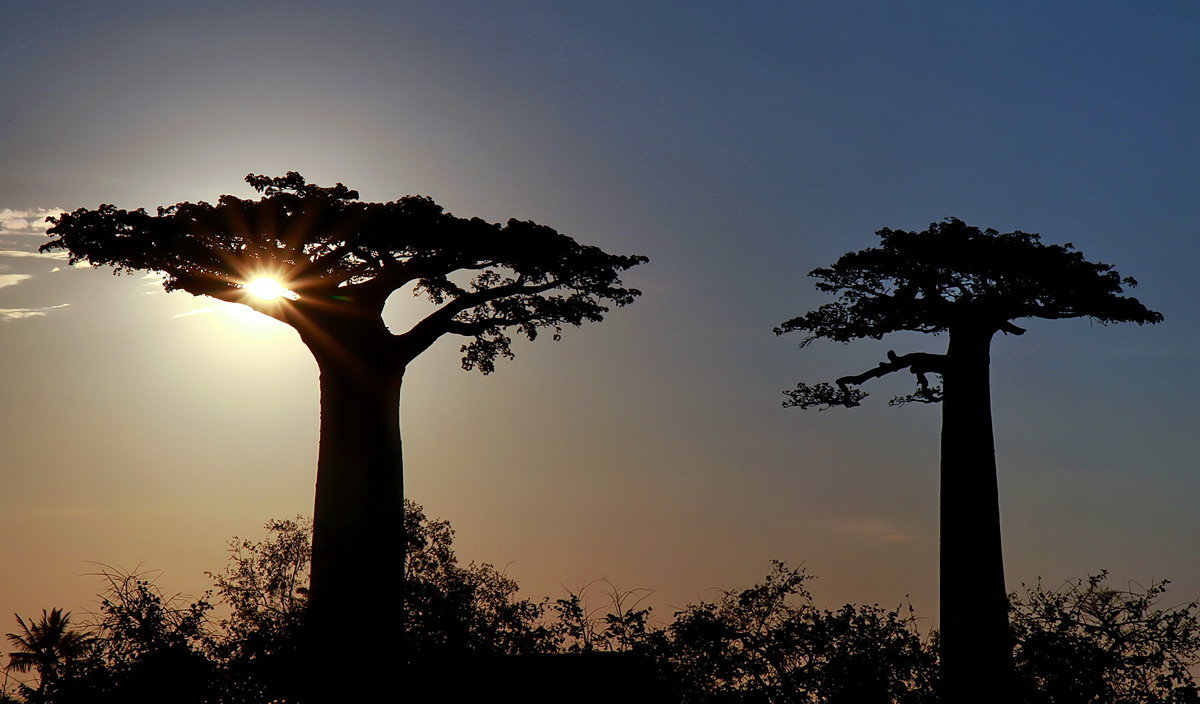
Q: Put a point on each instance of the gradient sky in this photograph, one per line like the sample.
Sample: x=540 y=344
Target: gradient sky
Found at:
x=738 y=145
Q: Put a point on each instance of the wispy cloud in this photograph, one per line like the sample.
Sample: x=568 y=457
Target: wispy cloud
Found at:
x=25 y=222
x=7 y=315
x=199 y=311
x=874 y=529
x=7 y=280
x=154 y=280
x=22 y=254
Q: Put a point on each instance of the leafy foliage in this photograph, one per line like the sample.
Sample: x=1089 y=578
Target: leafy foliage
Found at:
x=48 y=646
x=769 y=643
x=1084 y=643
x=264 y=585
x=623 y=627
x=1087 y=642
x=454 y=608
x=343 y=258
x=950 y=276
x=822 y=396
x=143 y=646
x=953 y=273
x=450 y=608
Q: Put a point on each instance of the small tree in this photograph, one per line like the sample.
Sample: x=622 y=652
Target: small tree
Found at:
x=326 y=263
x=623 y=628
x=141 y=646
x=1088 y=642
x=46 y=646
x=770 y=644
x=970 y=284
x=265 y=586
x=453 y=609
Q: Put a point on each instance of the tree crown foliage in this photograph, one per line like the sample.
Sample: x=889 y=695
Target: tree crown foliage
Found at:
x=343 y=258
x=47 y=646
x=949 y=277
x=954 y=274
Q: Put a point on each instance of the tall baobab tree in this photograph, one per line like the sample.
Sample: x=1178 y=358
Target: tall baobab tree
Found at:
x=970 y=284
x=325 y=263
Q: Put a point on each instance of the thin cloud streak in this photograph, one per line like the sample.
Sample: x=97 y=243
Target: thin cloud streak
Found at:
x=874 y=529
x=198 y=311
x=8 y=315
x=22 y=254
x=7 y=280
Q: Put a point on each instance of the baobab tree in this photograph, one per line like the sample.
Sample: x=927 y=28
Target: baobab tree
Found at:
x=325 y=263
x=970 y=284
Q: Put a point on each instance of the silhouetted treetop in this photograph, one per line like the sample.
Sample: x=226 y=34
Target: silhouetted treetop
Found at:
x=951 y=277
x=342 y=258
x=953 y=274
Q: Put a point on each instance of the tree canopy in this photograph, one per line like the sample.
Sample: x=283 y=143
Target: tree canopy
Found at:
x=950 y=276
x=342 y=258
x=47 y=646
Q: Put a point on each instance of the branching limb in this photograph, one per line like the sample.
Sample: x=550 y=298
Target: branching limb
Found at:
x=443 y=320
x=1008 y=328
x=924 y=393
x=478 y=327
x=919 y=362
x=824 y=395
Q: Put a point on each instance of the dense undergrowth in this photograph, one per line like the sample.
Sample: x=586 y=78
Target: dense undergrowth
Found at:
x=1083 y=642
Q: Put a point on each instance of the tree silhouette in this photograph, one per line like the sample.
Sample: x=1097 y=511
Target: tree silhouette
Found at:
x=340 y=259
x=769 y=643
x=971 y=284
x=45 y=646
x=144 y=646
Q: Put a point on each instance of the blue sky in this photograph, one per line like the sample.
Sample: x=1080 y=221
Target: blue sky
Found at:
x=737 y=145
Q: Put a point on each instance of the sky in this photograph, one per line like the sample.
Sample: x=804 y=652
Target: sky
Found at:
x=738 y=146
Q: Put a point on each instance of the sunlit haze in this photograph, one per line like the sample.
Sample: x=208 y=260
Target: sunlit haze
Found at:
x=269 y=289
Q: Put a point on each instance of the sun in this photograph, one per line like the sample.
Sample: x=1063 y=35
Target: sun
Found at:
x=269 y=289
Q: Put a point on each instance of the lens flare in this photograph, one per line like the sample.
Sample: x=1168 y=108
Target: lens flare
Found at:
x=269 y=289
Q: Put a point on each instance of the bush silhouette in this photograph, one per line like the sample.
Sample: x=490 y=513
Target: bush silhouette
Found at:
x=1083 y=643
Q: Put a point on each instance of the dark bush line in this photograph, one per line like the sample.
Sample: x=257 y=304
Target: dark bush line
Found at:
x=1084 y=642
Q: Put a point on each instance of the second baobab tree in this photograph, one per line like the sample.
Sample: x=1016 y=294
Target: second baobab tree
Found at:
x=325 y=263
x=969 y=284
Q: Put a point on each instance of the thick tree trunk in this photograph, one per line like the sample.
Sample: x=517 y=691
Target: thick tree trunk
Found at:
x=355 y=620
x=976 y=647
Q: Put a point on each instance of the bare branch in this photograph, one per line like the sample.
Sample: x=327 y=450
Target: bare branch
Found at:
x=824 y=395
x=1008 y=328
x=919 y=362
